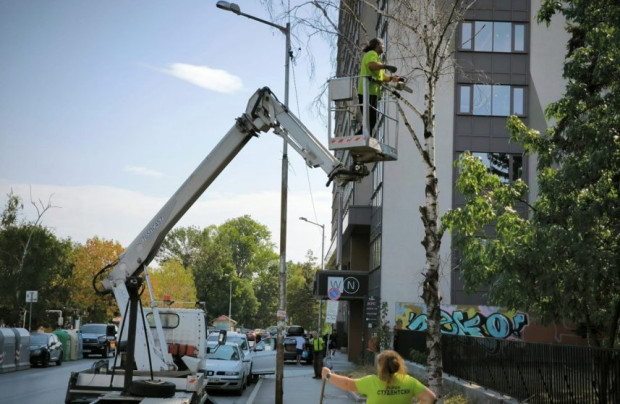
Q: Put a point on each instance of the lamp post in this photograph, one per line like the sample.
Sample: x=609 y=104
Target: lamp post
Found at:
x=322 y=226
x=286 y=30
x=229 y=302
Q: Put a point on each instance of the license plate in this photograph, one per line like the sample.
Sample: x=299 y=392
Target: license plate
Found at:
x=214 y=379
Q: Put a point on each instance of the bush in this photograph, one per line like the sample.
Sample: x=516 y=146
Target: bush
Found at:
x=418 y=356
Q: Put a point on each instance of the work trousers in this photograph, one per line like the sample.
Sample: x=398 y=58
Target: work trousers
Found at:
x=317 y=362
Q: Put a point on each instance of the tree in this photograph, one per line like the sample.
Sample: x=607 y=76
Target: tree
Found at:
x=31 y=258
x=302 y=307
x=561 y=261
x=174 y=280
x=88 y=259
x=230 y=263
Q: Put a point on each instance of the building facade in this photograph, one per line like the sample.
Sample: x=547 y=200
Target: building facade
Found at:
x=505 y=63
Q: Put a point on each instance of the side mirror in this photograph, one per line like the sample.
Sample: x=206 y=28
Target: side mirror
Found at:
x=221 y=339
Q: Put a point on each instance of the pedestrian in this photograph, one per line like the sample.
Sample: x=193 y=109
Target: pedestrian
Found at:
x=390 y=385
x=317 y=354
x=372 y=68
x=300 y=341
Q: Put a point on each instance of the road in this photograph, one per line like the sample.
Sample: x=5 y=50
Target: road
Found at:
x=40 y=385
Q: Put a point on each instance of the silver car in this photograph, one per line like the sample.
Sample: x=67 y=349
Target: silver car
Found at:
x=226 y=367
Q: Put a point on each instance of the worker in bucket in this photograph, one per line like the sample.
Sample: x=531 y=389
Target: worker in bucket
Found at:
x=373 y=68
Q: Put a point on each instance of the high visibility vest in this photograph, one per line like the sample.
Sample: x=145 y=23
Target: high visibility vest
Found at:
x=318 y=344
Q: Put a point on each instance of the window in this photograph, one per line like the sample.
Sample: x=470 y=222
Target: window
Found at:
x=489 y=99
x=508 y=167
x=168 y=320
x=492 y=36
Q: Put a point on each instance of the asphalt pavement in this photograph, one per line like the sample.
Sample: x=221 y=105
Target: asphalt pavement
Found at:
x=300 y=387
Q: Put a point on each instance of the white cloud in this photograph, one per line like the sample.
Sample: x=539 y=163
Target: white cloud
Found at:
x=202 y=76
x=143 y=171
x=119 y=214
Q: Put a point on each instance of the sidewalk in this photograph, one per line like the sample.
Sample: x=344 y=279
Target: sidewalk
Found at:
x=300 y=387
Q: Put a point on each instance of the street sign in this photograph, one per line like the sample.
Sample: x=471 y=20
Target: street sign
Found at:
x=334 y=294
x=332 y=311
x=372 y=309
x=281 y=315
x=32 y=296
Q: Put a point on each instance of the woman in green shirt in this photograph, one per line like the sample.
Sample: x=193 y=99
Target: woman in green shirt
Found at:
x=390 y=385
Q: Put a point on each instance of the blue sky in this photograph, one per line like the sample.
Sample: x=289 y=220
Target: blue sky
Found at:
x=106 y=107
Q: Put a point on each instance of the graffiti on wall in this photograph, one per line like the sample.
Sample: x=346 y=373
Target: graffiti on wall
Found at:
x=477 y=321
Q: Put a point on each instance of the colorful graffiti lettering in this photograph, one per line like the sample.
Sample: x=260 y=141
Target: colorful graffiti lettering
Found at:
x=478 y=321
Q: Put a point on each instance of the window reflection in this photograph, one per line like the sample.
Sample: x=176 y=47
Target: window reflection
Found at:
x=508 y=167
x=489 y=36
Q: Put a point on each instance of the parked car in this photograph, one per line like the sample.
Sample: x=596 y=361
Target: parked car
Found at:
x=45 y=348
x=290 y=349
x=262 y=356
x=273 y=330
x=98 y=339
x=226 y=367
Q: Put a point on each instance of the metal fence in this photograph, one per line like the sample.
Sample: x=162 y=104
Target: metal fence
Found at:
x=529 y=372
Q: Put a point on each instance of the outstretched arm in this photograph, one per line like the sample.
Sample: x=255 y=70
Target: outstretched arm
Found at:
x=426 y=397
x=342 y=382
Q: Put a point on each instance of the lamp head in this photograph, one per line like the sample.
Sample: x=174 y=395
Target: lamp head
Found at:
x=224 y=5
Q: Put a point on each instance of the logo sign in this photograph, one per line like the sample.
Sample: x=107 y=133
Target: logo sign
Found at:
x=333 y=293
x=351 y=284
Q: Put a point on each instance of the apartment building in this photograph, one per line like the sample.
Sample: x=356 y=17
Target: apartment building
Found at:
x=506 y=64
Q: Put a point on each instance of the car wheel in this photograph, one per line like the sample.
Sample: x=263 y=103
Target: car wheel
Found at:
x=249 y=378
x=46 y=360
x=106 y=352
x=59 y=361
x=152 y=388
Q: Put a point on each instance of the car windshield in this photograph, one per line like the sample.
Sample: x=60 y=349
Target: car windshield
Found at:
x=224 y=352
x=238 y=340
x=94 y=328
x=39 y=339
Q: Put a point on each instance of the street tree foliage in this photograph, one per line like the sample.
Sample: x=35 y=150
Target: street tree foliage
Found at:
x=421 y=35
x=561 y=261
x=232 y=265
x=301 y=305
x=31 y=258
x=172 y=279
x=88 y=259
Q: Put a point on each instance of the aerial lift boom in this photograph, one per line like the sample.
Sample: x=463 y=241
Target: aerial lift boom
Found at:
x=263 y=113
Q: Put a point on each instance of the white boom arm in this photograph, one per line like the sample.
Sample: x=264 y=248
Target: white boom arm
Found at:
x=263 y=113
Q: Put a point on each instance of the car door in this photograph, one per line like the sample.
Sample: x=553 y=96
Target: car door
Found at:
x=264 y=357
x=54 y=346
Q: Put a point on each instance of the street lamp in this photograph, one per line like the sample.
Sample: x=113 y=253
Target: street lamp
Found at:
x=286 y=30
x=322 y=226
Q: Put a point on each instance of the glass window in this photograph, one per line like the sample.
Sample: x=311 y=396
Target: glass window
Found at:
x=494 y=100
x=508 y=167
x=501 y=100
x=518 y=101
x=466 y=42
x=168 y=320
x=465 y=101
x=482 y=99
x=483 y=36
x=519 y=38
x=502 y=37
x=489 y=36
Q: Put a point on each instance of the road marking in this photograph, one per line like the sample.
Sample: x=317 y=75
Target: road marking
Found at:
x=255 y=391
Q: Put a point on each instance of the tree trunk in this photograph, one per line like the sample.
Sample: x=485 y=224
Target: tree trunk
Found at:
x=432 y=245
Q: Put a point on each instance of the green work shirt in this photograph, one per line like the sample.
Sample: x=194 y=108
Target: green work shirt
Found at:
x=402 y=389
x=375 y=88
